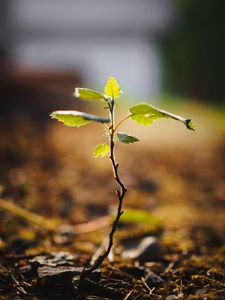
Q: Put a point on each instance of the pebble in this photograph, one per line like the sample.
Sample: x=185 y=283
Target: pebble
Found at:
x=145 y=249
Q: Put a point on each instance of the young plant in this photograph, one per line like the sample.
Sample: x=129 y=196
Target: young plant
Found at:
x=141 y=113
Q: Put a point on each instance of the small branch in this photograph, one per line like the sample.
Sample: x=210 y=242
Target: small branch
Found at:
x=106 y=127
x=121 y=121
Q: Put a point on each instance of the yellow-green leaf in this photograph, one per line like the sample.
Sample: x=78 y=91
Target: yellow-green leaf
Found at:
x=76 y=118
x=112 y=88
x=101 y=150
x=145 y=114
x=88 y=94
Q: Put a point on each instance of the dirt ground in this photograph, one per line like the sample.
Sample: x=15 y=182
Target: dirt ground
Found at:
x=68 y=201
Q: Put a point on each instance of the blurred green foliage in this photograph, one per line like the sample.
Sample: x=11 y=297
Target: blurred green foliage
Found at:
x=132 y=215
x=193 y=52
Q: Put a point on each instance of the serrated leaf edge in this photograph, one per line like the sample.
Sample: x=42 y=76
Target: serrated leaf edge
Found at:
x=187 y=122
x=112 y=78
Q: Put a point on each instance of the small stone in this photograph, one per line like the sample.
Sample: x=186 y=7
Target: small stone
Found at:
x=54 y=259
x=153 y=280
x=65 y=271
x=146 y=249
x=48 y=271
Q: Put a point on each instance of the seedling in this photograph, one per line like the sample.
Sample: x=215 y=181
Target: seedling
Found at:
x=141 y=113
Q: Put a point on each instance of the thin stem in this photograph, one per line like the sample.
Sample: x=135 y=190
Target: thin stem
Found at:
x=111 y=112
x=106 y=127
x=121 y=121
x=120 y=192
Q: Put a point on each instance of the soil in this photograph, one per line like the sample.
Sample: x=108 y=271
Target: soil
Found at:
x=68 y=200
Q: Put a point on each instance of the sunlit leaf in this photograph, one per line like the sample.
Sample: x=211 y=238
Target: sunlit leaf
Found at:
x=139 y=216
x=126 y=138
x=88 y=94
x=145 y=114
x=76 y=118
x=142 y=114
x=101 y=150
x=112 y=88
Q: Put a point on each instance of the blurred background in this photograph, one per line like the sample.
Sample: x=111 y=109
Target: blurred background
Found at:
x=170 y=53
x=153 y=47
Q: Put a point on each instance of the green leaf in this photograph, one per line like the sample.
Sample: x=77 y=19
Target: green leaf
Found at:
x=126 y=138
x=139 y=216
x=112 y=88
x=101 y=150
x=88 y=94
x=76 y=118
x=142 y=114
x=145 y=114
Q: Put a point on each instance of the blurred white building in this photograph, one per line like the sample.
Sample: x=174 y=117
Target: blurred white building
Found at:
x=97 y=37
